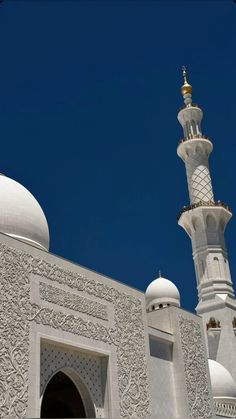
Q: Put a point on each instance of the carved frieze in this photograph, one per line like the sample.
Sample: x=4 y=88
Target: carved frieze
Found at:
x=69 y=323
x=74 y=302
x=199 y=399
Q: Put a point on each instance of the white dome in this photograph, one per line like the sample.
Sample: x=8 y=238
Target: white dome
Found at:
x=222 y=382
x=162 y=291
x=21 y=216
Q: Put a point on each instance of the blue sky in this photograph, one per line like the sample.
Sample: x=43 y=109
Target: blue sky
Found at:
x=89 y=93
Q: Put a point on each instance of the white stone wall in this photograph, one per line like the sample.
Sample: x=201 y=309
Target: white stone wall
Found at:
x=162 y=376
x=186 y=391
x=45 y=298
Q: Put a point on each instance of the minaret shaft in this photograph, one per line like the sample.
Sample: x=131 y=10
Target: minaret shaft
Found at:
x=195 y=154
x=205 y=225
x=204 y=219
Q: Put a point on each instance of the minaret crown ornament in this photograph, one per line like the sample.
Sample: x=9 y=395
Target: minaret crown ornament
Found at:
x=186 y=88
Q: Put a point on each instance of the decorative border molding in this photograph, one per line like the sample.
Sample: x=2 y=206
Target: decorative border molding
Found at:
x=14 y=333
x=199 y=399
x=69 y=323
x=16 y=313
x=74 y=302
x=225 y=408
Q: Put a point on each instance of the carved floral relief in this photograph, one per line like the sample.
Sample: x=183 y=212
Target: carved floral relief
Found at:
x=17 y=311
x=199 y=399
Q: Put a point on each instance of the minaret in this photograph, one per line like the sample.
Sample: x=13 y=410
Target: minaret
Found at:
x=205 y=220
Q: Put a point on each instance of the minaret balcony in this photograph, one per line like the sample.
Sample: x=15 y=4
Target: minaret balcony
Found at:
x=204 y=204
x=205 y=223
x=194 y=137
x=192 y=105
x=225 y=407
x=194 y=146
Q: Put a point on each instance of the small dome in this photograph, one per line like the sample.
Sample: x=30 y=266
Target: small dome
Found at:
x=161 y=292
x=21 y=216
x=222 y=382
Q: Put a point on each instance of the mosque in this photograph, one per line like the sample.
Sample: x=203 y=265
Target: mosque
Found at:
x=77 y=344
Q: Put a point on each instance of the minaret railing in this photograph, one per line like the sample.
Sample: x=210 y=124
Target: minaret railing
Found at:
x=194 y=137
x=203 y=204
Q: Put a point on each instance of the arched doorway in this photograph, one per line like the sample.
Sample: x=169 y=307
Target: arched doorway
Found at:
x=62 y=399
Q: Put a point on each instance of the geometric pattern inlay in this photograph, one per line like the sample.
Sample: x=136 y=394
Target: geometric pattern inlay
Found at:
x=88 y=367
x=201 y=185
x=198 y=176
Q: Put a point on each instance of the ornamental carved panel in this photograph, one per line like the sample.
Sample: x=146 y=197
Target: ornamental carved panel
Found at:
x=17 y=311
x=199 y=398
x=74 y=302
x=14 y=333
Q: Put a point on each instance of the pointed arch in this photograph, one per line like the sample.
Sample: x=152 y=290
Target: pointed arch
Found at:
x=197 y=223
x=210 y=222
x=66 y=395
x=199 y=150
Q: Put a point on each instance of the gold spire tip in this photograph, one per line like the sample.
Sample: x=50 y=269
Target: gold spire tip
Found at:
x=184 y=73
x=186 y=87
x=159 y=273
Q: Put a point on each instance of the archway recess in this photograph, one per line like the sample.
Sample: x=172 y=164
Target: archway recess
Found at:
x=62 y=399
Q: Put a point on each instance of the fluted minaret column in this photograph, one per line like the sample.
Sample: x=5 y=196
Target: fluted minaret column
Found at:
x=204 y=219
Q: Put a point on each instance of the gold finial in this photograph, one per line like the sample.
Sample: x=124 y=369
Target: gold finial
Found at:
x=159 y=273
x=186 y=88
x=184 y=72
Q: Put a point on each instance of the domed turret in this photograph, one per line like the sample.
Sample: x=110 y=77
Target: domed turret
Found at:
x=222 y=381
x=223 y=390
x=161 y=293
x=21 y=216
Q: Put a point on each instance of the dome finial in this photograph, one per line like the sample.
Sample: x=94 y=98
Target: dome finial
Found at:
x=184 y=72
x=186 y=87
x=159 y=273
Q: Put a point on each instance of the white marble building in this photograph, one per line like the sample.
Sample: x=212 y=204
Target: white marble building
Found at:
x=75 y=343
